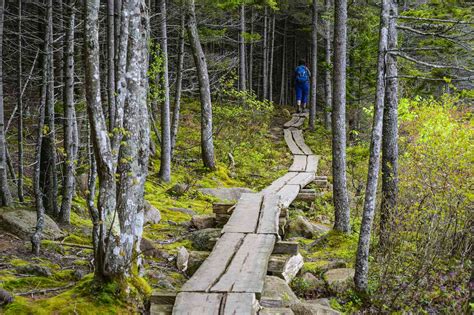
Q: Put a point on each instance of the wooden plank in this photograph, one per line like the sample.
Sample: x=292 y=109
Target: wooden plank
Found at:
x=156 y=309
x=312 y=163
x=215 y=265
x=295 y=150
x=286 y=247
x=193 y=303
x=299 y=163
x=279 y=183
x=269 y=215
x=241 y=303
x=245 y=216
x=223 y=208
x=246 y=272
x=162 y=298
x=287 y=194
x=276 y=311
x=299 y=122
x=291 y=122
x=299 y=140
x=302 y=179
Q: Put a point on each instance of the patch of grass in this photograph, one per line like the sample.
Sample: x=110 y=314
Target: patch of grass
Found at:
x=335 y=246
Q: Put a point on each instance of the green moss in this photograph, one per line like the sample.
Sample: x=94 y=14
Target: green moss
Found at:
x=29 y=283
x=314 y=267
x=78 y=239
x=78 y=221
x=335 y=246
x=16 y=262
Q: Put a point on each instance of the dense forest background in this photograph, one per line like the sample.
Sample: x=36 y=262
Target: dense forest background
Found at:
x=109 y=108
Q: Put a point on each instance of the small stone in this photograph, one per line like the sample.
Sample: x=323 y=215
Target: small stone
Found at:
x=36 y=270
x=300 y=226
x=182 y=259
x=277 y=293
x=148 y=249
x=314 y=282
x=166 y=284
x=321 y=301
x=204 y=221
x=152 y=215
x=204 y=240
x=183 y=210
x=312 y=309
x=196 y=258
x=340 y=279
x=179 y=189
x=79 y=274
x=5 y=297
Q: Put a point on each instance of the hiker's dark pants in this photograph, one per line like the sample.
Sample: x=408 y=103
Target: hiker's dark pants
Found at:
x=302 y=92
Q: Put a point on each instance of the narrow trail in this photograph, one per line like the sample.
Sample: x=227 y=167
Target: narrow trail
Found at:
x=231 y=279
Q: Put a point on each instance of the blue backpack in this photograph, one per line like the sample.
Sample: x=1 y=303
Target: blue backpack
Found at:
x=302 y=75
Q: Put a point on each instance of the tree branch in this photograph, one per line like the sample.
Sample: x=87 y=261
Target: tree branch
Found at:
x=430 y=65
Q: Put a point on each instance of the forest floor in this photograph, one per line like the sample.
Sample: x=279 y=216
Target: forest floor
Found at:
x=251 y=153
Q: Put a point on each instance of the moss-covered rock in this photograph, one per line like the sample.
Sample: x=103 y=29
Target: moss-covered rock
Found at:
x=205 y=239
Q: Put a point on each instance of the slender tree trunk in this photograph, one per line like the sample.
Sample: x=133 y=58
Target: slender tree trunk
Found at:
x=271 y=56
x=70 y=143
x=243 y=68
x=327 y=76
x=111 y=61
x=251 y=48
x=265 y=55
x=390 y=135
x=5 y=195
x=362 y=260
x=207 y=144
x=284 y=79
x=314 y=65
x=165 y=166
x=20 y=106
x=179 y=85
x=340 y=196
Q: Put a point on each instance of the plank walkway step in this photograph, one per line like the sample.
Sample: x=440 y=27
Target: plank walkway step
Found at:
x=245 y=216
x=290 y=142
x=269 y=215
x=195 y=303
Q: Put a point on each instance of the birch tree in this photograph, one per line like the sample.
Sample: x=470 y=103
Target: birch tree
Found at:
x=207 y=143
x=362 y=259
x=340 y=196
x=5 y=195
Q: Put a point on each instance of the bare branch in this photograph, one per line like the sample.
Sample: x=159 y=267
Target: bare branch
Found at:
x=431 y=65
x=404 y=17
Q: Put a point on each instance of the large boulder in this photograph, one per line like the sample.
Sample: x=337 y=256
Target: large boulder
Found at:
x=312 y=309
x=152 y=215
x=277 y=293
x=339 y=280
x=22 y=223
x=301 y=226
x=205 y=239
x=205 y=221
x=226 y=194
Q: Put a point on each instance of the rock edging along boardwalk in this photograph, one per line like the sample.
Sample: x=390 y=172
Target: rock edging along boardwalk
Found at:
x=230 y=280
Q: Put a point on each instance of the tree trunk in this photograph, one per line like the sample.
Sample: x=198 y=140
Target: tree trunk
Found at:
x=340 y=196
x=265 y=55
x=243 y=68
x=327 y=76
x=271 y=56
x=390 y=135
x=179 y=85
x=165 y=166
x=49 y=179
x=5 y=195
x=362 y=260
x=111 y=61
x=70 y=143
x=207 y=144
x=20 y=106
x=314 y=64
x=284 y=79
x=250 y=63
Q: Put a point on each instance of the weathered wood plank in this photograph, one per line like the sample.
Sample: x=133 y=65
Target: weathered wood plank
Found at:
x=291 y=122
x=299 y=141
x=269 y=215
x=299 y=163
x=286 y=247
x=279 y=183
x=223 y=208
x=246 y=214
x=163 y=298
x=193 y=303
x=287 y=194
x=312 y=163
x=299 y=122
x=302 y=179
x=276 y=311
x=215 y=265
x=156 y=309
x=295 y=149
x=241 y=303
x=246 y=272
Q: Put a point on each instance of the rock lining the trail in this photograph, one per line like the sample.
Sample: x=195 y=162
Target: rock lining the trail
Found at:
x=22 y=223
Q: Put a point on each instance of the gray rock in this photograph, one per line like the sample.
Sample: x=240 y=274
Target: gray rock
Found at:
x=205 y=239
x=179 y=189
x=277 y=293
x=276 y=311
x=300 y=226
x=204 y=221
x=226 y=194
x=152 y=215
x=312 y=309
x=166 y=284
x=321 y=301
x=196 y=258
x=149 y=249
x=183 y=210
x=339 y=280
x=313 y=282
x=22 y=222
x=5 y=297
x=182 y=259
x=292 y=267
x=36 y=270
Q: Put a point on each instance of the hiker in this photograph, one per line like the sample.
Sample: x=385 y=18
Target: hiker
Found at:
x=302 y=75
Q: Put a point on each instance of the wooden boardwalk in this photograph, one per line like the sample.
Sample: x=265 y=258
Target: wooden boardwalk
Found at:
x=230 y=280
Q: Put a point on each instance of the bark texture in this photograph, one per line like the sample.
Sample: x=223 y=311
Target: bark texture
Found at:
x=243 y=67
x=340 y=196
x=179 y=85
x=314 y=64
